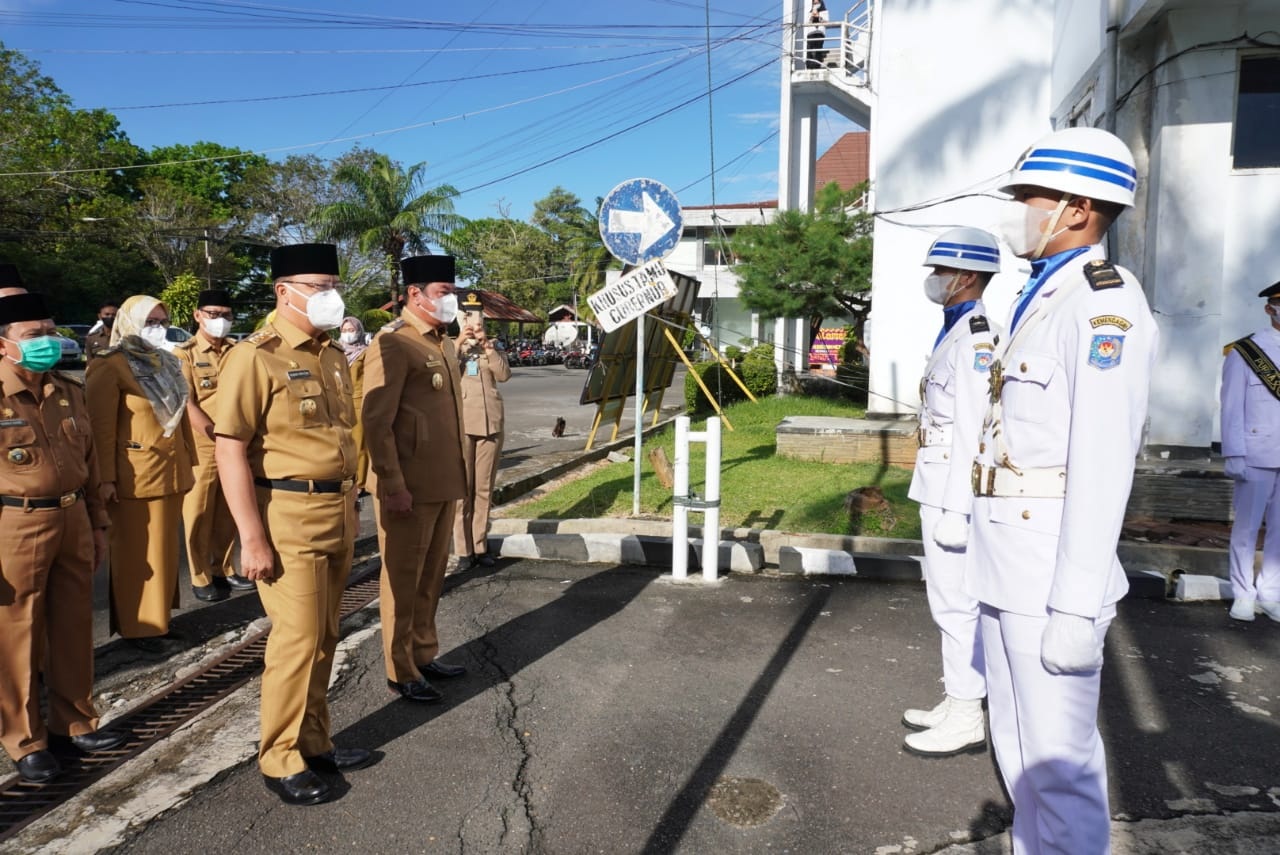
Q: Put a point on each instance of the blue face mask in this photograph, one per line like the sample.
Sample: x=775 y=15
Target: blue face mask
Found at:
x=39 y=354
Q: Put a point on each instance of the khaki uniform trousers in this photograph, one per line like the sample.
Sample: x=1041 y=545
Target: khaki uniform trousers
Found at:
x=209 y=526
x=46 y=603
x=471 y=531
x=415 y=554
x=313 y=537
x=144 y=564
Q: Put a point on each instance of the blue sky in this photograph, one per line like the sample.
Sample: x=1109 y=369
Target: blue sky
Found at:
x=484 y=92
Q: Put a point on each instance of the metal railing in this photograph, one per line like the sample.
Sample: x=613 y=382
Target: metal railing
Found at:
x=844 y=48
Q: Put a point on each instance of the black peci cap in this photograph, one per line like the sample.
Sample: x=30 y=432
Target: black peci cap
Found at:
x=469 y=300
x=213 y=297
x=22 y=307
x=425 y=269
x=10 y=277
x=304 y=258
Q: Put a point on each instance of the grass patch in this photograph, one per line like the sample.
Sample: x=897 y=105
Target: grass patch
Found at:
x=758 y=489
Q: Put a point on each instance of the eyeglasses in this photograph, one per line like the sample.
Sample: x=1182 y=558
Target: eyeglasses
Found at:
x=157 y=322
x=227 y=316
x=339 y=287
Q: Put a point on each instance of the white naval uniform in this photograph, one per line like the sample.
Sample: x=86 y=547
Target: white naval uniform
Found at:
x=1074 y=397
x=953 y=402
x=1251 y=429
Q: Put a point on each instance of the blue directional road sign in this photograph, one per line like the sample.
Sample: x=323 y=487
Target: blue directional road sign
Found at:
x=640 y=221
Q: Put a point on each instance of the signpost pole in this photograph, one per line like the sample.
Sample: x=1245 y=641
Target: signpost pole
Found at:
x=635 y=499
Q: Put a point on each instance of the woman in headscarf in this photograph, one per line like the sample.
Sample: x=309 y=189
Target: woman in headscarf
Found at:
x=351 y=337
x=138 y=408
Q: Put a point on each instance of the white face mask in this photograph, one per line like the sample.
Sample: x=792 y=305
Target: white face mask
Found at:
x=325 y=309
x=349 y=337
x=937 y=287
x=156 y=337
x=446 y=308
x=1024 y=228
x=216 y=327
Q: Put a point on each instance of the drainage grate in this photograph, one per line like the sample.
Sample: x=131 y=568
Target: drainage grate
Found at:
x=21 y=802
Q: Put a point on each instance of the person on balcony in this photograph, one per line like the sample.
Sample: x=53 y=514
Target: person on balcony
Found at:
x=816 y=35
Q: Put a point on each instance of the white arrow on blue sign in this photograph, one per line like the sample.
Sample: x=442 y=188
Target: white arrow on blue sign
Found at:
x=640 y=221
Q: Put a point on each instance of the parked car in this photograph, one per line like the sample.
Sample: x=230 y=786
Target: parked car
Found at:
x=177 y=335
x=72 y=352
x=80 y=331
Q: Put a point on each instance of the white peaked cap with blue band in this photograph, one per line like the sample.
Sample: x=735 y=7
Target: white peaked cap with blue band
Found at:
x=1087 y=162
x=965 y=249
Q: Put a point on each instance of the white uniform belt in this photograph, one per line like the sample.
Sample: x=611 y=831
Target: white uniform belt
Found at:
x=1048 y=483
x=934 y=435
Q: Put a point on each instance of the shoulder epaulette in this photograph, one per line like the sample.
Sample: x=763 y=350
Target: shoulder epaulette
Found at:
x=1102 y=275
x=978 y=324
x=262 y=336
x=70 y=378
x=184 y=345
x=393 y=325
x=1227 y=348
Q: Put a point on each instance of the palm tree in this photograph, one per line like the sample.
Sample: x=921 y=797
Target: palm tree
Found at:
x=387 y=212
x=588 y=257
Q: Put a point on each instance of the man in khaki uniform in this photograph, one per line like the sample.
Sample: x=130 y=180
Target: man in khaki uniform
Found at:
x=100 y=340
x=210 y=530
x=483 y=368
x=50 y=507
x=412 y=420
x=287 y=461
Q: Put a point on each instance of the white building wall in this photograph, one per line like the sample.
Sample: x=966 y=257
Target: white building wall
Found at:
x=958 y=97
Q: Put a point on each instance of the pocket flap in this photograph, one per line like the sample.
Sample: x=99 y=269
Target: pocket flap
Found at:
x=1031 y=368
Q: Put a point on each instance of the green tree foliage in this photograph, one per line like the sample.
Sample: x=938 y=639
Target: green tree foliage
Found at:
x=809 y=265
x=756 y=371
x=386 y=210
x=181 y=296
x=511 y=257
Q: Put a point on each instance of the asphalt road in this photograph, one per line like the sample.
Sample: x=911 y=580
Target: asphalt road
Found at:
x=611 y=710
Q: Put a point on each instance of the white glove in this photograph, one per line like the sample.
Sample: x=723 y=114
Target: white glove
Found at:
x=1234 y=467
x=1069 y=645
x=952 y=531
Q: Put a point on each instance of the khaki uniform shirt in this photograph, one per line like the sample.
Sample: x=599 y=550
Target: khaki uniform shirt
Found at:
x=134 y=452
x=47 y=444
x=201 y=362
x=412 y=413
x=97 y=342
x=482 y=370
x=288 y=396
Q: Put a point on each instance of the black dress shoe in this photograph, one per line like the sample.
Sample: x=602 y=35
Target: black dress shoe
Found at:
x=151 y=644
x=210 y=593
x=39 y=767
x=484 y=559
x=240 y=583
x=340 y=760
x=442 y=669
x=418 y=690
x=98 y=740
x=304 y=788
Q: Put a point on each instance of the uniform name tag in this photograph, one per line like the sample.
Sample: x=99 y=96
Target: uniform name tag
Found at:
x=13 y=423
x=1109 y=321
x=299 y=374
x=204 y=365
x=473 y=368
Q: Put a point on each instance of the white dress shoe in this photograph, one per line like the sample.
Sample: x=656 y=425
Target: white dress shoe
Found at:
x=925 y=719
x=1244 y=608
x=963 y=729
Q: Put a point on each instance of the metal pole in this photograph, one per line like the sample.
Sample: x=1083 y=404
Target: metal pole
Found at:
x=680 y=511
x=635 y=481
x=711 y=516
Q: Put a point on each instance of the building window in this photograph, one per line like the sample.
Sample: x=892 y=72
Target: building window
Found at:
x=713 y=252
x=1257 y=137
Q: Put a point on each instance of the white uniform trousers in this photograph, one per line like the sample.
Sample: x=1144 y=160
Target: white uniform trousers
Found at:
x=1256 y=496
x=1044 y=729
x=955 y=613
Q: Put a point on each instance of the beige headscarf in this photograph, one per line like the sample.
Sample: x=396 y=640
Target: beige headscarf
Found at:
x=157 y=372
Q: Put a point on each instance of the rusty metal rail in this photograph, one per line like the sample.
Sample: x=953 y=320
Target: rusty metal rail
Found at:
x=161 y=714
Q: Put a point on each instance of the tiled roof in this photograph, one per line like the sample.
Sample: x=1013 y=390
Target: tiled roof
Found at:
x=847 y=161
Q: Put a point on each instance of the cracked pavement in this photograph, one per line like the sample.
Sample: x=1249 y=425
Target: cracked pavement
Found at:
x=603 y=704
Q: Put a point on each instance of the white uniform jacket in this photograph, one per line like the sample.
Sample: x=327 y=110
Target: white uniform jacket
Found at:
x=1074 y=396
x=1250 y=413
x=953 y=400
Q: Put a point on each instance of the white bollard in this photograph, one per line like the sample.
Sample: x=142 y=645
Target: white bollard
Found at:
x=709 y=507
x=711 y=516
x=680 y=511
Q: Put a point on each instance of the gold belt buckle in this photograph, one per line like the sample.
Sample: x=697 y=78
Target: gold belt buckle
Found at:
x=975 y=478
x=347 y=484
x=66 y=500
x=920 y=437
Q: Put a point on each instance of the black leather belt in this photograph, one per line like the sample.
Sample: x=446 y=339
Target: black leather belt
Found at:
x=66 y=500
x=293 y=485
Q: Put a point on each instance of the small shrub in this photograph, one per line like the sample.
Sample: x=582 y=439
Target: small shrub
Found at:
x=758 y=371
x=717 y=380
x=376 y=319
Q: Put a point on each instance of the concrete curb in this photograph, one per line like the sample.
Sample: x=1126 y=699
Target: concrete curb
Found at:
x=1154 y=570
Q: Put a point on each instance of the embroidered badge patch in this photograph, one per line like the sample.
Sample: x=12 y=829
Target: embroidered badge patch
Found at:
x=1104 y=351
x=982 y=361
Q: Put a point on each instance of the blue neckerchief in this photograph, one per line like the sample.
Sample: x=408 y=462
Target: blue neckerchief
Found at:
x=1041 y=270
x=951 y=314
